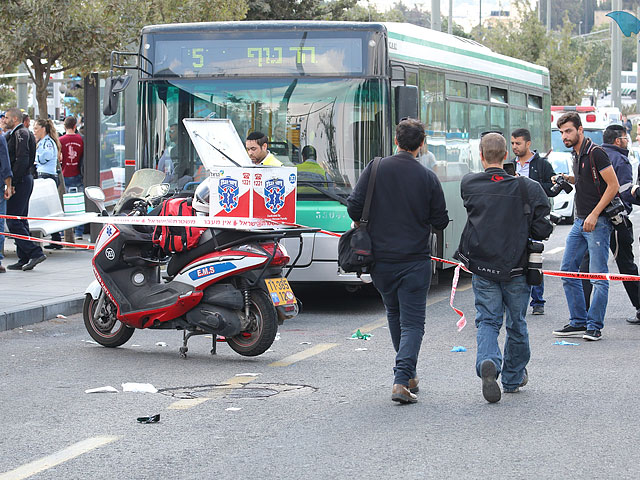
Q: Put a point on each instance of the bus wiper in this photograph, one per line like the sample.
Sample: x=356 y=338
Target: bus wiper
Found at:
x=196 y=134
x=324 y=191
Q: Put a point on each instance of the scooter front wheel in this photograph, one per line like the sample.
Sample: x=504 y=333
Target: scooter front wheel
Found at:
x=262 y=332
x=106 y=329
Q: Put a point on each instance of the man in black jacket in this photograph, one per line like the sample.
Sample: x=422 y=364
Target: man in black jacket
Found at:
x=503 y=212
x=29 y=254
x=530 y=164
x=407 y=201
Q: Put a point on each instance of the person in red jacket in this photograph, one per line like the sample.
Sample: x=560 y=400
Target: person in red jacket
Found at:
x=72 y=154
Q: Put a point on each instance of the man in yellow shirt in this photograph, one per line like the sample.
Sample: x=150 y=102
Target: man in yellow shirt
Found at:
x=257 y=143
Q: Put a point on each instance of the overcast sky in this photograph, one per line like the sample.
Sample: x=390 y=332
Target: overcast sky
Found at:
x=465 y=12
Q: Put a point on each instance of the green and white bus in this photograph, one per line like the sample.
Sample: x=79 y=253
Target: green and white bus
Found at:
x=340 y=87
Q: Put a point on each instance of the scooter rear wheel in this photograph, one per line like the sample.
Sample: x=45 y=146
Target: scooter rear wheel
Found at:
x=108 y=331
x=261 y=335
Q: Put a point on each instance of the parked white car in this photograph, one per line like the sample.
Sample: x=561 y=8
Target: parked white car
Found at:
x=563 y=203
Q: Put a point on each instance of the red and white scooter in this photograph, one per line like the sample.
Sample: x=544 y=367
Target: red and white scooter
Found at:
x=230 y=285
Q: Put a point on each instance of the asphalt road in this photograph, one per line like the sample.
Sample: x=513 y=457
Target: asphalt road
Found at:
x=326 y=413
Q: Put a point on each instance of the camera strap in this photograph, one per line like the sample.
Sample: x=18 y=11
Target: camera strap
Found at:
x=594 y=174
x=364 y=217
x=525 y=199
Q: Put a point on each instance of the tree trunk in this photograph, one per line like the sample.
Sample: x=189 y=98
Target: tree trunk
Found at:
x=41 y=80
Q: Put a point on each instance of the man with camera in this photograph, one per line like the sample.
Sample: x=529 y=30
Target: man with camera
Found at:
x=615 y=144
x=530 y=164
x=596 y=186
x=504 y=214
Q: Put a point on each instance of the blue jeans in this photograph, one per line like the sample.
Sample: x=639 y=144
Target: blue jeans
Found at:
x=537 y=291
x=3 y=211
x=404 y=287
x=75 y=182
x=597 y=244
x=495 y=301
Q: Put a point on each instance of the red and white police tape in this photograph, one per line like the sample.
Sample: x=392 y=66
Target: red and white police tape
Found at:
x=262 y=223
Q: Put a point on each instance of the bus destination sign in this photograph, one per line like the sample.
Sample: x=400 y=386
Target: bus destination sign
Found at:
x=266 y=56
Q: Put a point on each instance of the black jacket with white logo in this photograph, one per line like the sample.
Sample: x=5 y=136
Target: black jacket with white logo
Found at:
x=494 y=241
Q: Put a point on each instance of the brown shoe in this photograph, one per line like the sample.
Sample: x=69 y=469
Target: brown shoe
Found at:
x=2 y=269
x=413 y=385
x=401 y=394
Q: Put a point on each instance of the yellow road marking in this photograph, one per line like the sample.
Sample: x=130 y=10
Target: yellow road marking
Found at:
x=309 y=352
x=217 y=392
x=186 y=403
x=45 y=463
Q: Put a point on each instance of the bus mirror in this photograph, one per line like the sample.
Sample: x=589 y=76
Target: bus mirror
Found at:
x=112 y=88
x=406 y=102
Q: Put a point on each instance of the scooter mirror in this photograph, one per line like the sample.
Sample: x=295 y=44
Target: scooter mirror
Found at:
x=96 y=195
x=158 y=190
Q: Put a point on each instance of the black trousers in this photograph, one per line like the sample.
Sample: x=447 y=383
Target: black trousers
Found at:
x=622 y=240
x=18 y=204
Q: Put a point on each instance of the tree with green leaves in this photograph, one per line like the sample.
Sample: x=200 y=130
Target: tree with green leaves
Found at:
x=51 y=36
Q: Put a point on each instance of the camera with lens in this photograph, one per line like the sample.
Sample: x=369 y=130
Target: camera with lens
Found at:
x=561 y=184
x=616 y=211
x=534 y=263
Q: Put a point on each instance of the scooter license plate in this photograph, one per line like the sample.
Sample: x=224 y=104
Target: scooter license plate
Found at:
x=280 y=291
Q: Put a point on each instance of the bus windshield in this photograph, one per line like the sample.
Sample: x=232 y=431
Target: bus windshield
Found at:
x=558 y=145
x=343 y=120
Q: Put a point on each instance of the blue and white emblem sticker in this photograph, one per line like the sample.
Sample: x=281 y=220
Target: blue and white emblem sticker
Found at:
x=274 y=194
x=228 y=192
x=292 y=178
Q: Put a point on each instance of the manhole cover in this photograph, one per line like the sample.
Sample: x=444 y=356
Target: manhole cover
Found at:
x=252 y=390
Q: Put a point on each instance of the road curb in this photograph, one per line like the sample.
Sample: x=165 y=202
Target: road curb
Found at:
x=20 y=317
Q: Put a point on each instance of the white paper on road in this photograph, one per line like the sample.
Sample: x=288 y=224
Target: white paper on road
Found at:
x=107 y=389
x=233 y=409
x=161 y=344
x=139 y=388
x=247 y=374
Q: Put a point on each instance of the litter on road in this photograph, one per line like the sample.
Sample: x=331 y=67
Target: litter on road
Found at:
x=107 y=389
x=61 y=316
x=459 y=348
x=139 y=388
x=562 y=342
x=149 y=419
x=233 y=409
x=161 y=344
x=248 y=374
x=361 y=336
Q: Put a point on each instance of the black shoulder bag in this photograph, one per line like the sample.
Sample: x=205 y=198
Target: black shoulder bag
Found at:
x=354 y=247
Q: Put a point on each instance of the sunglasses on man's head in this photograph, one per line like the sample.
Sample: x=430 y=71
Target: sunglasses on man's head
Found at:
x=491 y=131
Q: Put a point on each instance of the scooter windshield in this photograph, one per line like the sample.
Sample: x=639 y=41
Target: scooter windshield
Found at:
x=141 y=182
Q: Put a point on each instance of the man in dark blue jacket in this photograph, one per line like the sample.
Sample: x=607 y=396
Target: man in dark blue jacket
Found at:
x=6 y=190
x=530 y=164
x=19 y=146
x=615 y=143
x=503 y=212
x=407 y=201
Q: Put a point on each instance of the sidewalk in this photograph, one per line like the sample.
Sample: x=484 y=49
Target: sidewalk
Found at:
x=56 y=286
